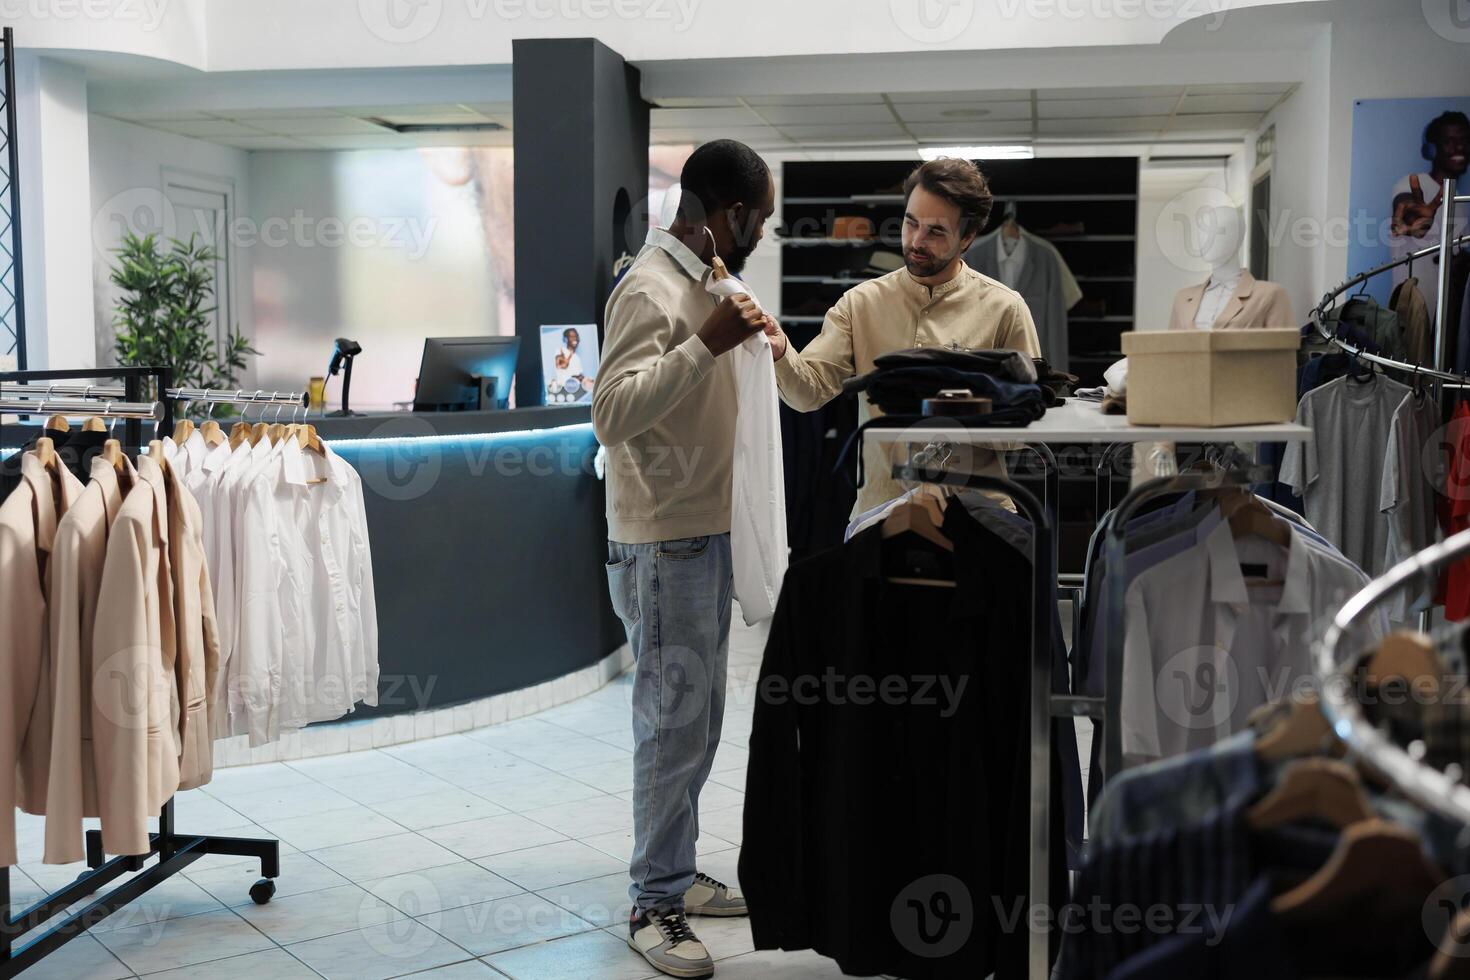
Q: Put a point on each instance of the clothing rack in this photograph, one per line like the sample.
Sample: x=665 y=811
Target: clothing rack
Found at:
x=175 y=851
x=1444 y=249
x=1043 y=565
x=211 y=396
x=78 y=406
x=1425 y=785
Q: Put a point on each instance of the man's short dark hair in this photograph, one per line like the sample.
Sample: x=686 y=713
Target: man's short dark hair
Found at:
x=722 y=173
x=1435 y=129
x=960 y=183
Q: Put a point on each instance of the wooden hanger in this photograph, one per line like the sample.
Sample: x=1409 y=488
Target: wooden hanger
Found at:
x=93 y=424
x=1249 y=517
x=919 y=515
x=112 y=452
x=1373 y=858
x=155 y=453
x=1452 y=954
x=1302 y=731
x=183 y=429
x=46 y=452
x=212 y=433
x=239 y=432
x=1409 y=656
x=1322 y=789
x=257 y=432
x=313 y=441
x=58 y=423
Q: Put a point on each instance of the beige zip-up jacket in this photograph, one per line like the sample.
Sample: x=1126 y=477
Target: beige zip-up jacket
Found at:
x=76 y=578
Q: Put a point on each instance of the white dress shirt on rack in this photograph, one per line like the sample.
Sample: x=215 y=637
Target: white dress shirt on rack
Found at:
x=1203 y=649
x=306 y=620
x=1011 y=257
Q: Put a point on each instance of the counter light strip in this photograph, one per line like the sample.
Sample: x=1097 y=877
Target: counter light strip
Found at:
x=574 y=428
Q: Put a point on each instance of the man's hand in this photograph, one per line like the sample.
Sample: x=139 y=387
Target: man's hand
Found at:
x=1412 y=215
x=735 y=319
x=777 y=336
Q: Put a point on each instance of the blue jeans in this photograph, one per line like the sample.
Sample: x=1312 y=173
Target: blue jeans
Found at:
x=674 y=600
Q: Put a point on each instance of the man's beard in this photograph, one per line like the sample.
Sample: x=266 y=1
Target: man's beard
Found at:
x=923 y=270
x=735 y=261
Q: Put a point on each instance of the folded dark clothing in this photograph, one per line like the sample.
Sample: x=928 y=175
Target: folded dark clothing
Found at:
x=1009 y=365
x=901 y=391
x=1055 y=385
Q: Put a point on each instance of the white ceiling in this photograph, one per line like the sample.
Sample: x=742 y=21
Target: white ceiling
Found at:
x=1150 y=114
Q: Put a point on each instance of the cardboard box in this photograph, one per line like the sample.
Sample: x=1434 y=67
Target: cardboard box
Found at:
x=1211 y=377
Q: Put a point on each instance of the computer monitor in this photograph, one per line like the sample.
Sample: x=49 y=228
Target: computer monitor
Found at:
x=463 y=374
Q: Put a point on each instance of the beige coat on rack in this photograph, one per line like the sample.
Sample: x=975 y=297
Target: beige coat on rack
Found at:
x=34 y=762
x=156 y=654
x=76 y=576
x=28 y=520
x=1255 y=304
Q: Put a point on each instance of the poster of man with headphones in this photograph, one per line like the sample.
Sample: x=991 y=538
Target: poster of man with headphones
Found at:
x=1403 y=150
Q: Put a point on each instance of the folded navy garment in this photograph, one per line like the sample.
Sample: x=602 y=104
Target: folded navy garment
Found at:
x=1008 y=365
x=902 y=390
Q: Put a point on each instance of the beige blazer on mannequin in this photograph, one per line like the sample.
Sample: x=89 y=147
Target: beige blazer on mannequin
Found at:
x=1255 y=304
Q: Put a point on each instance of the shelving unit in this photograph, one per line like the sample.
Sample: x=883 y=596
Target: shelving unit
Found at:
x=1100 y=193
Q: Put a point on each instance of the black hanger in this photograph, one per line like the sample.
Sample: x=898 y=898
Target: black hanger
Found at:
x=1354 y=363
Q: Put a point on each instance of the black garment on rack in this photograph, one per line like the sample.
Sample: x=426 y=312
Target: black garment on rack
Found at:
x=853 y=797
x=75 y=448
x=1007 y=365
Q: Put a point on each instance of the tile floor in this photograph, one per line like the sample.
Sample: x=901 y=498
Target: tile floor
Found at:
x=501 y=852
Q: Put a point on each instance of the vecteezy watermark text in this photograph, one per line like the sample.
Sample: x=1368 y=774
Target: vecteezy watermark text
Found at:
x=408 y=21
x=147 y=14
x=862 y=690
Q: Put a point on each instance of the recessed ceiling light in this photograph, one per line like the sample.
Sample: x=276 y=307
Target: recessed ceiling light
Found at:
x=964 y=113
x=1017 y=151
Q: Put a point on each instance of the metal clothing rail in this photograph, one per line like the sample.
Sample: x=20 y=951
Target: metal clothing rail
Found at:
x=131 y=391
x=175 y=851
x=102 y=409
x=1443 y=250
x=1425 y=785
x=217 y=396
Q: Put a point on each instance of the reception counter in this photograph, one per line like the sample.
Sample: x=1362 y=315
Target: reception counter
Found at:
x=489 y=539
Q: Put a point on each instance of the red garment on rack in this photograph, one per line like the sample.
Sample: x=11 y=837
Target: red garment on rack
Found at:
x=1454 y=511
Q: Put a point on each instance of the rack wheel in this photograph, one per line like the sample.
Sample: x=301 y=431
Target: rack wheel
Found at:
x=262 y=891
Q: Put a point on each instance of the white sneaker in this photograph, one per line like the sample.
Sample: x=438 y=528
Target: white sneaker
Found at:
x=709 y=897
x=666 y=941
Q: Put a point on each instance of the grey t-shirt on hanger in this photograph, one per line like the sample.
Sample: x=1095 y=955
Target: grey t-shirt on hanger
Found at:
x=1413 y=476
x=1339 y=474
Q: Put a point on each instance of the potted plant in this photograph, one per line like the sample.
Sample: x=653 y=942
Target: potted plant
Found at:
x=165 y=313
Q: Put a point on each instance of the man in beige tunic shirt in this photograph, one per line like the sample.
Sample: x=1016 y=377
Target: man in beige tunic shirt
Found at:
x=935 y=301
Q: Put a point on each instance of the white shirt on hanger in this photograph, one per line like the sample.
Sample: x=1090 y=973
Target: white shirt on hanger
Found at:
x=758 y=545
x=1012 y=256
x=1203 y=650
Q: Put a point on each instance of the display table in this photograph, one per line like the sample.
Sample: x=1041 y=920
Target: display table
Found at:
x=1084 y=422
